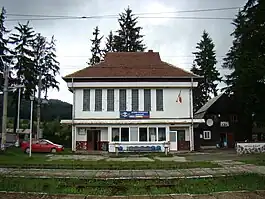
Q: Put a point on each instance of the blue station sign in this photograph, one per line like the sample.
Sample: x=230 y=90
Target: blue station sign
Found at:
x=134 y=114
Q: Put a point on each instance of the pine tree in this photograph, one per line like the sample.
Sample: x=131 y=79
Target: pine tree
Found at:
x=24 y=68
x=51 y=68
x=4 y=50
x=204 y=65
x=97 y=53
x=110 y=43
x=128 y=38
x=246 y=59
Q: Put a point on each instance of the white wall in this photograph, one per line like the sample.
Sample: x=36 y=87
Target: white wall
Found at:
x=172 y=109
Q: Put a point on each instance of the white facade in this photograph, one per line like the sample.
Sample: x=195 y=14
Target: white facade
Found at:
x=172 y=125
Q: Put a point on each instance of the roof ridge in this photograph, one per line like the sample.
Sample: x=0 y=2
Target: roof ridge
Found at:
x=180 y=69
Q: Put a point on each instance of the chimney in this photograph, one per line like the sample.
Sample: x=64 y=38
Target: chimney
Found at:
x=150 y=51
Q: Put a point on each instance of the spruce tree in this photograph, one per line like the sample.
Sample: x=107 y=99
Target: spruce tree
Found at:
x=4 y=50
x=110 y=43
x=128 y=38
x=51 y=66
x=97 y=53
x=205 y=66
x=246 y=59
x=24 y=68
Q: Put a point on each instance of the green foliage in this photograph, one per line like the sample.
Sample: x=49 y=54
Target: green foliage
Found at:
x=128 y=187
x=204 y=66
x=24 y=68
x=4 y=50
x=128 y=38
x=57 y=133
x=110 y=43
x=96 y=51
x=247 y=61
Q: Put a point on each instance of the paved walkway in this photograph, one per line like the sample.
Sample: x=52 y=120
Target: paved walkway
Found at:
x=225 y=195
x=227 y=168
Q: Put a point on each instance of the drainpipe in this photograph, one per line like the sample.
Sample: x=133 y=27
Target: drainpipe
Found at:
x=191 y=116
x=73 y=116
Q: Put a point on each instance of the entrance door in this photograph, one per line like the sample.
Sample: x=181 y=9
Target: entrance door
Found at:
x=93 y=136
x=182 y=143
x=173 y=140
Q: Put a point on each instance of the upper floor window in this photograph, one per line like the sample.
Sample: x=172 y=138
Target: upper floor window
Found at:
x=135 y=99
x=86 y=100
x=98 y=99
x=147 y=99
x=159 y=100
x=233 y=118
x=122 y=99
x=110 y=100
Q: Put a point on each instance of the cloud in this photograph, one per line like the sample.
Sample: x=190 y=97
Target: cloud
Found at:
x=175 y=39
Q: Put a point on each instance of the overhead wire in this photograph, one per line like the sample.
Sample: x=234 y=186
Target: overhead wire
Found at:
x=65 y=17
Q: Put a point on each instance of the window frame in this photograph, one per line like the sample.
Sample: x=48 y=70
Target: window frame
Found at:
x=158 y=106
x=125 y=100
x=205 y=137
x=86 y=107
x=147 y=100
x=138 y=134
x=111 y=95
x=100 y=101
x=135 y=99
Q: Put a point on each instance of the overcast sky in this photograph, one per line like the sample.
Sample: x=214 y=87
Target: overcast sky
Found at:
x=175 y=39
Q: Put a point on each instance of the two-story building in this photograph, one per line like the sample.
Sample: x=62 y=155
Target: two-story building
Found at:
x=132 y=100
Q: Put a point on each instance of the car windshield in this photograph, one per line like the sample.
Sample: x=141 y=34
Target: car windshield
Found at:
x=48 y=141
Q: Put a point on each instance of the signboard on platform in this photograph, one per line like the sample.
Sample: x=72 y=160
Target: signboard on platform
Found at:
x=134 y=114
x=251 y=147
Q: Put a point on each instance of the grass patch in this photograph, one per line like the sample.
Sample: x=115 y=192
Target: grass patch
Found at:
x=256 y=159
x=15 y=159
x=248 y=182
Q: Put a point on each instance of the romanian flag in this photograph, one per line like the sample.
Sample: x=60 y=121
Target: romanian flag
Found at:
x=179 y=99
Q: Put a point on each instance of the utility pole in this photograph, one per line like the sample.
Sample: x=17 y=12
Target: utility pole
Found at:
x=38 y=106
x=5 y=102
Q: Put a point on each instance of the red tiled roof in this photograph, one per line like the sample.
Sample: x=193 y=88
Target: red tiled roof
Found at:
x=132 y=64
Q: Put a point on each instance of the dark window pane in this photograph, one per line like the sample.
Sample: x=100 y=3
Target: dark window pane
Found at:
x=122 y=99
x=125 y=134
x=86 y=100
x=110 y=100
x=143 y=134
x=147 y=99
x=98 y=99
x=159 y=100
x=135 y=100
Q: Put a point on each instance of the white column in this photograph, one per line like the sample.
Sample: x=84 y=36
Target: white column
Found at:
x=167 y=133
x=92 y=100
x=128 y=99
x=104 y=100
x=116 y=100
x=109 y=133
x=153 y=99
x=141 y=99
x=191 y=138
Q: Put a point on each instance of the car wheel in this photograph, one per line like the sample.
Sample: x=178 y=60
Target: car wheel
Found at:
x=53 y=151
x=27 y=150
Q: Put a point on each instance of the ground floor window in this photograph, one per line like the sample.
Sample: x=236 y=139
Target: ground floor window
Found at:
x=115 y=134
x=125 y=134
x=138 y=134
x=161 y=134
x=143 y=134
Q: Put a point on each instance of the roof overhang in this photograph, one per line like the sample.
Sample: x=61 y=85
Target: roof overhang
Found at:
x=124 y=121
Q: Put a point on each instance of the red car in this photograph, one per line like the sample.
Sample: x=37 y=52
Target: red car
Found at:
x=41 y=145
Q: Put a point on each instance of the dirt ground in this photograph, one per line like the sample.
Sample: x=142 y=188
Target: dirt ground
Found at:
x=225 y=195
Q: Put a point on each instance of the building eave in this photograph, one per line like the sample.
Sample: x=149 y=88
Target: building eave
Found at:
x=143 y=121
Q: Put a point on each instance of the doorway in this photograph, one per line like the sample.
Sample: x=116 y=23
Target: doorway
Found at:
x=173 y=140
x=182 y=143
x=93 y=137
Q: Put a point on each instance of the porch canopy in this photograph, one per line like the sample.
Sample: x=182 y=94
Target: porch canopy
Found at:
x=133 y=121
